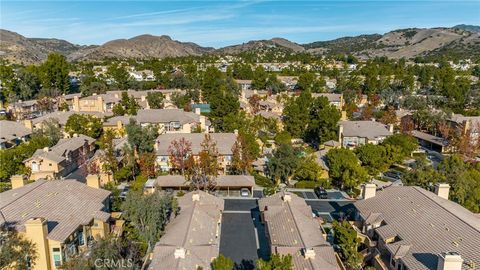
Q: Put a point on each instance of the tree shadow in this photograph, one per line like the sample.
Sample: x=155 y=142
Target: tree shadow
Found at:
x=428 y=259
x=245 y=265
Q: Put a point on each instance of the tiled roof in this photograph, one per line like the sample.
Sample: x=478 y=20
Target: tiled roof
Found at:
x=155 y=116
x=365 y=129
x=330 y=96
x=425 y=223
x=65 y=204
x=59 y=152
x=224 y=141
x=195 y=229
x=10 y=130
x=62 y=117
x=292 y=229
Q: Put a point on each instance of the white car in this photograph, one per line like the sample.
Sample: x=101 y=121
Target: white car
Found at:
x=244 y=192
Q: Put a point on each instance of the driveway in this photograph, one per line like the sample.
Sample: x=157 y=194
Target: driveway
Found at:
x=243 y=236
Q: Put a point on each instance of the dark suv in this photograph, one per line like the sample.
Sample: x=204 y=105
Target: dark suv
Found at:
x=321 y=193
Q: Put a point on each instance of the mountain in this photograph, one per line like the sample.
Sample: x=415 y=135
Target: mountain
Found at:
x=19 y=49
x=467 y=27
x=461 y=41
x=141 y=47
x=407 y=43
x=280 y=43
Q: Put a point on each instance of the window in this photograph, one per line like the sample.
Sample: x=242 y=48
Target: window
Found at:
x=50 y=164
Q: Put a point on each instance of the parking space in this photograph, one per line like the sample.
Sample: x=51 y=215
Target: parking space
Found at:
x=243 y=236
x=336 y=209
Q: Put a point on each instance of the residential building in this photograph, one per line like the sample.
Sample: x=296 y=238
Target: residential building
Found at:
x=224 y=143
x=224 y=184
x=96 y=103
x=60 y=116
x=468 y=125
x=291 y=230
x=355 y=133
x=410 y=228
x=23 y=109
x=61 y=159
x=244 y=84
x=167 y=120
x=192 y=238
x=12 y=133
x=334 y=99
x=431 y=142
x=61 y=218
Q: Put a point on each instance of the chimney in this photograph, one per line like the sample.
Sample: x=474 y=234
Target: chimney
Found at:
x=18 y=180
x=28 y=124
x=196 y=197
x=198 y=111
x=309 y=253
x=76 y=104
x=449 y=261
x=340 y=134
x=442 y=190
x=36 y=231
x=390 y=128
x=93 y=181
x=287 y=198
x=368 y=191
x=179 y=253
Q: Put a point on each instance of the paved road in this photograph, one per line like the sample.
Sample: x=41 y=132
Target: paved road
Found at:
x=243 y=236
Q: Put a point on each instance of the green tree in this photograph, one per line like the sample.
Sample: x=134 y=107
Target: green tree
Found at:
x=16 y=252
x=147 y=215
x=276 y=262
x=282 y=164
x=155 y=100
x=296 y=114
x=222 y=263
x=344 y=168
x=322 y=123
x=84 y=124
x=142 y=139
x=259 y=78
x=120 y=75
x=54 y=73
x=405 y=143
x=346 y=239
x=51 y=129
x=308 y=169
x=373 y=157
x=305 y=81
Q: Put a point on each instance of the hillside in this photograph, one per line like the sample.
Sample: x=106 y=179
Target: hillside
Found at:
x=141 y=47
x=407 y=43
x=461 y=41
x=280 y=43
x=19 y=49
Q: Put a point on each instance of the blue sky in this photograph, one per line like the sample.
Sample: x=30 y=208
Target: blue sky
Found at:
x=220 y=23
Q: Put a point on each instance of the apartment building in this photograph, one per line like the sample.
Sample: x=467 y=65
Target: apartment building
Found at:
x=355 y=133
x=61 y=159
x=12 y=133
x=62 y=218
x=96 y=103
x=408 y=227
x=291 y=230
x=192 y=238
x=224 y=143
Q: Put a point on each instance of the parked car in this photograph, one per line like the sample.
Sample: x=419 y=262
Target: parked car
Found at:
x=321 y=193
x=393 y=174
x=244 y=192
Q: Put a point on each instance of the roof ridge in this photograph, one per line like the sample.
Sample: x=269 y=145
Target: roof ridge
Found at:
x=421 y=190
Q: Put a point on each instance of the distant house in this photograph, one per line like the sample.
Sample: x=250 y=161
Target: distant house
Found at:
x=291 y=230
x=61 y=159
x=167 y=121
x=192 y=238
x=334 y=99
x=12 y=133
x=95 y=103
x=23 y=109
x=469 y=125
x=244 y=84
x=355 y=133
x=224 y=143
x=413 y=228
x=61 y=117
x=61 y=218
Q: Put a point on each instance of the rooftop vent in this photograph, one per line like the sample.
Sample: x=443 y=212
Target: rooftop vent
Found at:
x=179 y=253
x=196 y=197
x=287 y=198
x=309 y=253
